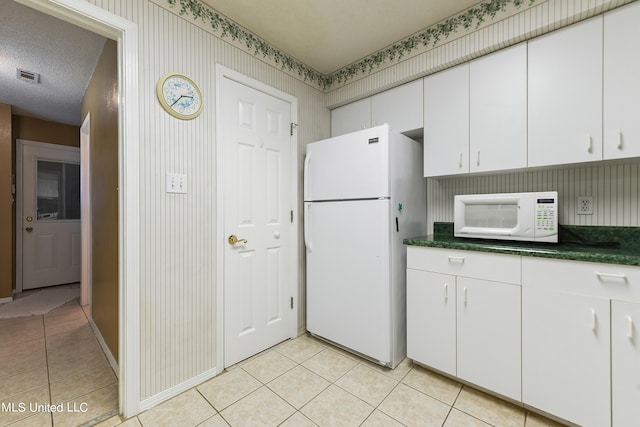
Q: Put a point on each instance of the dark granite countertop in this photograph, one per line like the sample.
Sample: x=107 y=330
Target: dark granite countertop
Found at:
x=575 y=243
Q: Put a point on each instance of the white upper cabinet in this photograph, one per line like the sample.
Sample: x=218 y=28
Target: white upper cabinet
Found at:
x=498 y=110
x=400 y=107
x=351 y=117
x=621 y=83
x=565 y=95
x=446 y=122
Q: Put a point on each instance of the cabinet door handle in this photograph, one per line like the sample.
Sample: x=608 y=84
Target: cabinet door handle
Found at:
x=478 y=158
x=594 y=319
x=446 y=292
x=619 y=140
x=589 y=143
x=460 y=160
x=611 y=276
x=465 y=296
x=630 y=327
x=459 y=259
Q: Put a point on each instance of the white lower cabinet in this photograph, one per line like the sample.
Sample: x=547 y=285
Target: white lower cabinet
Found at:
x=561 y=336
x=488 y=344
x=464 y=326
x=431 y=319
x=565 y=355
x=625 y=366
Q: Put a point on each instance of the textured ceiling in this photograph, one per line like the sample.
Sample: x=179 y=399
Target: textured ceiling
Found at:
x=330 y=34
x=64 y=55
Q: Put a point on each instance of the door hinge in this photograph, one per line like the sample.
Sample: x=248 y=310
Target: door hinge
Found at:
x=292 y=217
x=293 y=125
x=291 y=303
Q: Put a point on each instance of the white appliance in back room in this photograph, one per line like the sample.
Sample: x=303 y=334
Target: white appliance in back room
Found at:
x=364 y=193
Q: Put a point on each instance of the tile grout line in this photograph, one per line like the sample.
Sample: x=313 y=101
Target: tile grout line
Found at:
x=46 y=357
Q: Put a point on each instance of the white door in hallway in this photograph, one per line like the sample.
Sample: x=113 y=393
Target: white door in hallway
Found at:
x=257 y=212
x=50 y=214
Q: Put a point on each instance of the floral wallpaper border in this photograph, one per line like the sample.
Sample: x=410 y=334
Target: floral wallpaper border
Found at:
x=471 y=18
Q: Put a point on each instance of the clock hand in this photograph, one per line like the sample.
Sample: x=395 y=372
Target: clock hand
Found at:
x=181 y=96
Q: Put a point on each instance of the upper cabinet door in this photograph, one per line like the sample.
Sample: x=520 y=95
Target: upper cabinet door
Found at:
x=498 y=110
x=565 y=95
x=446 y=122
x=400 y=107
x=351 y=117
x=621 y=83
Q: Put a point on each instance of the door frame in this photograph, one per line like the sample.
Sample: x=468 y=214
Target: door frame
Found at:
x=125 y=32
x=20 y=144
x=85 y=209
x=223 y=72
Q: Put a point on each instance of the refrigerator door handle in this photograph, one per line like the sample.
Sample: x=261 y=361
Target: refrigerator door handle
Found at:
x=305 y=176
x=307 y=220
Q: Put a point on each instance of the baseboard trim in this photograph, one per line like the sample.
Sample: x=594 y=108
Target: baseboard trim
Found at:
x=6 y=299
x=105 y=348
x=177 y=389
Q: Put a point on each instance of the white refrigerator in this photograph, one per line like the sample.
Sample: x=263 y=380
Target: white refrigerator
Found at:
x=364 y=193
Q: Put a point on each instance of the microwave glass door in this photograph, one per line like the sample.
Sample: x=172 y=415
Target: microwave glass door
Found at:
x=490 y=215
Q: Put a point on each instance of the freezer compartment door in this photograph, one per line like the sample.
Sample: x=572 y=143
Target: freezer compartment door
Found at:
x=352 y=166
x=348 y=275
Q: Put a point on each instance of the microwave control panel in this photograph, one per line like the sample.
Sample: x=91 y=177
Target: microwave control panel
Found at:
x=546 y=215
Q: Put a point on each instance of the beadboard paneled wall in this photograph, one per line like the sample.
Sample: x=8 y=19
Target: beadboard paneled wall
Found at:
x=615 y=189
x=178 y=241
x=505 y=30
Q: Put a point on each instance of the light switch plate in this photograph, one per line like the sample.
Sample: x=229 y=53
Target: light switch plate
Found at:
x=176 y=183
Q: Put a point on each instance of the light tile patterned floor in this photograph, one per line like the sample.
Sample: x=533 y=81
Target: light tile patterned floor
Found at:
x=302 y=382
x=54 y=359
x=306 y=382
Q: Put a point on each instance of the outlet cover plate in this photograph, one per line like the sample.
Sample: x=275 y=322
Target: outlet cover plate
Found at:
x=584 y=205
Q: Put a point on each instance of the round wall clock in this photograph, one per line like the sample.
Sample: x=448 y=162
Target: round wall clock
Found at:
x=179 y=95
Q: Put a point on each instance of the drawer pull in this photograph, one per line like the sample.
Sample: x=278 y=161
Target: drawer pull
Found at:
x=611 y=276
x=459 y=259
x=594 y=319
x=630 y=328
x=619 y=140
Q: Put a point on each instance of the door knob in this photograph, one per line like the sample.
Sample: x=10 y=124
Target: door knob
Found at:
x=233 y=239
x=29 y=229
x=29 y=218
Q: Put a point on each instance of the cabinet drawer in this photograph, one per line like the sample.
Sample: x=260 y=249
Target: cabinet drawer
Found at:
x=587 y=278
x=478 y=265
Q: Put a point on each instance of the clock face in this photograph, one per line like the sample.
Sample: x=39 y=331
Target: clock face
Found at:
x=180 y=96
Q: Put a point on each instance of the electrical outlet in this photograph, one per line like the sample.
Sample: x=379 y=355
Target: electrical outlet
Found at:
x=176 y=183
x=584 y=205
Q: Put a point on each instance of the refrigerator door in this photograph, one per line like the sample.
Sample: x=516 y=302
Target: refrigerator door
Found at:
x=348 y=274
x=352 y=166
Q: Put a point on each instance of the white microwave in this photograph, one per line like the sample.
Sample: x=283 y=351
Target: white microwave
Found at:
x=507 y=216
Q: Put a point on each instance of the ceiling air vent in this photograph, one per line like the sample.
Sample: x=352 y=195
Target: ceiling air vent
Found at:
x=27 y=76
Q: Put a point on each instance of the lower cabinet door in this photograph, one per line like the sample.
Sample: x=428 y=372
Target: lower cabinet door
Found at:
x=431 y=319
x=488 y=339
x=625 y=369
x=566 y=356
